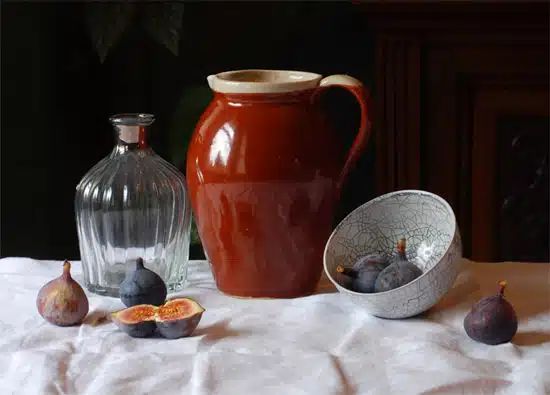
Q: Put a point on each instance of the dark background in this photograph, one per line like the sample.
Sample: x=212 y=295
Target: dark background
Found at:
x=66 y=67
x=57 y=95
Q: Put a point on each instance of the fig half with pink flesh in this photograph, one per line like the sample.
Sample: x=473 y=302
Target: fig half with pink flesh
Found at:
x=174 y=319
x=178 y=318
x=137 y=321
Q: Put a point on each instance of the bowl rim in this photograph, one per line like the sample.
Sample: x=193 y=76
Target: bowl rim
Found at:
x=376 y=200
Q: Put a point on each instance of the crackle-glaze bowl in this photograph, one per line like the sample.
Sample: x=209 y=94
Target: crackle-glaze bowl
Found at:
x=433 y=244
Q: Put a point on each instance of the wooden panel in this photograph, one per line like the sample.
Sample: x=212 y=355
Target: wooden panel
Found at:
x=468 y=69
x=453 y=76
x=490 y=105
x=456 y=16
x=398 y=119
x=523 y=222
x=432 y=61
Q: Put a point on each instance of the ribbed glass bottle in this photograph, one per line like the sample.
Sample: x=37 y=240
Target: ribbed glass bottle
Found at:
x=132 y=204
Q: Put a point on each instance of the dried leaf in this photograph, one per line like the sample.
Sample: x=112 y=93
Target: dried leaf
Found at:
x=164 y=22
x=106 y=24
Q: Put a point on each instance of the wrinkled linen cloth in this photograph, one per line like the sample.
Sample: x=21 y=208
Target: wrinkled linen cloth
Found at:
x=321 y=344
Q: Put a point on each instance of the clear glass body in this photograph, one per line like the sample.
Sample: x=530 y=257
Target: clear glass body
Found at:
x=132 y=204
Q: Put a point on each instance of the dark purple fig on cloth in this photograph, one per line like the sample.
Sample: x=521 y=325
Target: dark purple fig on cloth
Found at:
x=492 y=320
x=142 y=286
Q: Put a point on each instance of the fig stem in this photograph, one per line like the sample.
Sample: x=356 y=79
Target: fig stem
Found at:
x=139 y=264
x=402 y=246
x=346 y=271
x=67 y=269
x=502 y=285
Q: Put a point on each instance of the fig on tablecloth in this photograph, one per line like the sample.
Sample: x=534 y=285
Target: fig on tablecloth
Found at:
x=137 y=321
x=174 y=319
x=178 y=318
x=62 y=301
x=492 y=320
x=142 y=286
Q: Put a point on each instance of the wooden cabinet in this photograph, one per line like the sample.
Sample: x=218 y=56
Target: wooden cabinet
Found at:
x=462 y=111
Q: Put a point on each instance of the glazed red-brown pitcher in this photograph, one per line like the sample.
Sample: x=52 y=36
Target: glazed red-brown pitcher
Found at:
x=264 y=172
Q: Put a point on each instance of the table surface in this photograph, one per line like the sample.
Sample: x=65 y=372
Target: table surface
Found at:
x=320 y=344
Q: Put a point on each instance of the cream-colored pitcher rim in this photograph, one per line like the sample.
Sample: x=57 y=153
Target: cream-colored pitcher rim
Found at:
x=263 y=81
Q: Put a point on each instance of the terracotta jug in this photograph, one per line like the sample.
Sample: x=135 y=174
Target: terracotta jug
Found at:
x=264 y=173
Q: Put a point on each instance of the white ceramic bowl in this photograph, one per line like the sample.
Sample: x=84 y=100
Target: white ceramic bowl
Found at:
x=433 y=244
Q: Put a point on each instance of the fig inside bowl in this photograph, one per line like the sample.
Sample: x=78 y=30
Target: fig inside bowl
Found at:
x=434 y=245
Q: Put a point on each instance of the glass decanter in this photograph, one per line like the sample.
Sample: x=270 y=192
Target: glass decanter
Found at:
x=132 y=204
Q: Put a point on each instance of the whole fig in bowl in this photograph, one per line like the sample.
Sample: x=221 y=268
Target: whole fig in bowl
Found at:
x=433 y=245
x=400 y=272
x=62 y=301
x=492 y=320
x=142 y=286
x=362 y=276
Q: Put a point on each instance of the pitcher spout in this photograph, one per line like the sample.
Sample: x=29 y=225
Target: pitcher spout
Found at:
x=211 y=78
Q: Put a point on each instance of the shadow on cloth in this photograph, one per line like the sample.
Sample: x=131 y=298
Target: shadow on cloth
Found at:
x=97 y=317
x=217 y=332
x=532 y=338
x=488 y=385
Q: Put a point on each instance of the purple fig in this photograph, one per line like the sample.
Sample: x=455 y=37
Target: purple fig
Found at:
x=377 y=260
x=361 y=280
x=492 y=320
x=362 y=276
x=400 y=272
x=142 y=286
x=345 y=276
x=62 y=301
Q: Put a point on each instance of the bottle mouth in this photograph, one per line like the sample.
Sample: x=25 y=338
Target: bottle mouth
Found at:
x=132 y=119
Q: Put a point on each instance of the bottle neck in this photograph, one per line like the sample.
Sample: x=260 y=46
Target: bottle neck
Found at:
x=131 y=138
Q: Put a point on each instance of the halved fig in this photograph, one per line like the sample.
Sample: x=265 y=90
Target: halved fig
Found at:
x=137 y=321
x=178 y=317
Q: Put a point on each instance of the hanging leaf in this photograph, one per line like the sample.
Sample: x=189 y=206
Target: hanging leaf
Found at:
x=191 y=104
x=164 y=22
x=106 y=24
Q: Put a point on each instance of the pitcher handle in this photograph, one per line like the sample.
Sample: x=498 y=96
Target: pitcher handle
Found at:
x=357 y=89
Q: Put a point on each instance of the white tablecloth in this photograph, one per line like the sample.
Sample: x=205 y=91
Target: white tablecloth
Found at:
x=319 y=344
